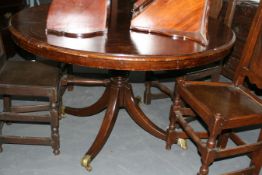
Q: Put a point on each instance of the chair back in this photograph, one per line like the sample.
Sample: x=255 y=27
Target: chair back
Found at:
x=2 y=52
x=250 y=65
x=216 y=9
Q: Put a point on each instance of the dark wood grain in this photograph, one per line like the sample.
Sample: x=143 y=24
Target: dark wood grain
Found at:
x=120 y=48
x=187 y=18
x=85 y=16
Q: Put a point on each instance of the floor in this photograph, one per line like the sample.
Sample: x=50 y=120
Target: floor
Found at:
x=129 y=150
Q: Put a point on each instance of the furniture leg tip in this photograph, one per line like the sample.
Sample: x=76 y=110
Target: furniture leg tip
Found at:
x=56 y=152
x=168 y=148
x=63 y=112
x=85 y=162
x=182 y=143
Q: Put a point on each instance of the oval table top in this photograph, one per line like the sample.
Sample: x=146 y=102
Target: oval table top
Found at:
x=119 y=48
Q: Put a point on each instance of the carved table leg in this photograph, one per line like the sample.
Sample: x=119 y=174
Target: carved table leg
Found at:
x=138 y=115
x=118 y=94
x=105 y=129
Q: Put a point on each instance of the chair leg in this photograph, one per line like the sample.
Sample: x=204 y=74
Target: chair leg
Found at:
x=6 y=103
x=55 y=143
x=6 y=108
x=256 y=158
x=222 y=140
x=1 y=127
x=216 y=76
x=147 y=93
x=208 y=154
x=171 y=137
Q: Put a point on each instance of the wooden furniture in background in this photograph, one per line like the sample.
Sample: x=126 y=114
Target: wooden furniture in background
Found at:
x=7 y=9
x=213 y=70
x=30 y=80
x=224 y=108
x=122 y=52
x=244 y=13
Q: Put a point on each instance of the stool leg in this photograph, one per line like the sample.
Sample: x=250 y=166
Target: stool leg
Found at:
x=1 y=127
x=256 y=158
x=61 y=108
x=54 y=128
x=6 y=108
x=7 y=103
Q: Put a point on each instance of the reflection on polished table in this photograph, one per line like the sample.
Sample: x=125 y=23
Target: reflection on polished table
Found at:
x=120 y=51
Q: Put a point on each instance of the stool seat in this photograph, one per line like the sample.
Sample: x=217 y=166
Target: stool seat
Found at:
x=27 y=73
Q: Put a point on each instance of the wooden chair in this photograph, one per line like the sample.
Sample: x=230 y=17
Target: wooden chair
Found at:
x=223 y=108
x=213 y=70
x=30 y=80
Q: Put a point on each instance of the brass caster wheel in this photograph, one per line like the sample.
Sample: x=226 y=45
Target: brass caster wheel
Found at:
x=62 y=111
x=182 y=143
x=85 y=162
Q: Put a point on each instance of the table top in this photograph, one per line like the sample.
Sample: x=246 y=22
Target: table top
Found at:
x=119 y=48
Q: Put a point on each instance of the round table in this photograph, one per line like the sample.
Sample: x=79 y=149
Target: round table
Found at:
x=120 y=50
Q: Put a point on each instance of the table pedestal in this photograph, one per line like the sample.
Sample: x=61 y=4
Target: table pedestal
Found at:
x=118 y=94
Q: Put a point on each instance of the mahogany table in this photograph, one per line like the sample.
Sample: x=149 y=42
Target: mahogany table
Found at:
x=121 y=51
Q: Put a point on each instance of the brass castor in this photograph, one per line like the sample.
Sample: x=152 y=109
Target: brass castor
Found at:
x=62 y=112
x=85 y=162
x=182 y=143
